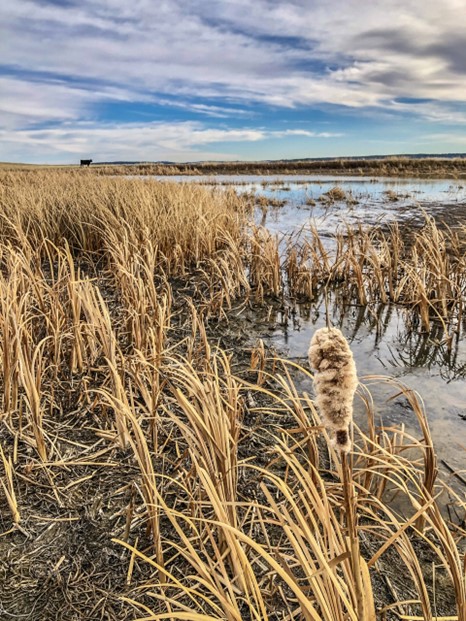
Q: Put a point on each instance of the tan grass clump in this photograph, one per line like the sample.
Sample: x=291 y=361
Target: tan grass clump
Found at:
x=334 y=194
x=335 y=382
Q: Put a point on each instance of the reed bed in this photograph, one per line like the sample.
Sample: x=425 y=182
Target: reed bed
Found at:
x=424 y=270
x=183 y=225
x=148 y=472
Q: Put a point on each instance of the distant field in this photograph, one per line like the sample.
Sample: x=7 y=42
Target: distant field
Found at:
x=454 y=168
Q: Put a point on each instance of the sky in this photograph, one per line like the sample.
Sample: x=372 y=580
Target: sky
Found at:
x=190 y=80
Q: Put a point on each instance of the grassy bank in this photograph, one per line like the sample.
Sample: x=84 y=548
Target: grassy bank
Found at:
x=155 y=464
x=452 y=168
x=390 y=166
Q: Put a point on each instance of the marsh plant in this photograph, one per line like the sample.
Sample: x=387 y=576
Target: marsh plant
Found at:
x=335 y=382
x=394 y=166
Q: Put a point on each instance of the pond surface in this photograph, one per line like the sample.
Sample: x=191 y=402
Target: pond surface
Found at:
x=368 y=200
x=387 y=339
x=368 y=204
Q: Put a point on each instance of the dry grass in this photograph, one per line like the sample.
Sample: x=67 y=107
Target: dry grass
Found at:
x=389 y=166
x=148 y=473
x=334 y=194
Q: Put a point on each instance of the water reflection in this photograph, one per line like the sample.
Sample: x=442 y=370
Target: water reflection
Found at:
x=388 y=333
x=304 y=207
x=429 y=350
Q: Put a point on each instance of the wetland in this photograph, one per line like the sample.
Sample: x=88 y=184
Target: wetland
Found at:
x=161 y=453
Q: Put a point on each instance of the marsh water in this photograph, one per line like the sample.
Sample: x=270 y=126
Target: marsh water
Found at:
x=367 y=201
x=386 y=340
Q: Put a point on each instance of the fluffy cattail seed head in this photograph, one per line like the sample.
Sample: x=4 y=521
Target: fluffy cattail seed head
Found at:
x=335 y=381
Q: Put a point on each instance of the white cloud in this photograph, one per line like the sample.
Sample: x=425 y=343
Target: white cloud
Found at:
x=27 y=102
x=304 y=132
x=457 y=139
x=149 y=141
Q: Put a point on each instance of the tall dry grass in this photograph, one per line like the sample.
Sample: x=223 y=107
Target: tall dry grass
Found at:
x=237 y=509
x=184 y=225
x=286 y=541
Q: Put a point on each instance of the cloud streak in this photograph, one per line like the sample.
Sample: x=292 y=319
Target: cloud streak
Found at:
x=148 y=141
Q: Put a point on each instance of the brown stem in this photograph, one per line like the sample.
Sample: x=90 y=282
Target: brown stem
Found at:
x=348 y=490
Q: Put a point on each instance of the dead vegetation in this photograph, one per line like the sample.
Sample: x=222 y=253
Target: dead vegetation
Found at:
x=147 y=472
x=334 y=194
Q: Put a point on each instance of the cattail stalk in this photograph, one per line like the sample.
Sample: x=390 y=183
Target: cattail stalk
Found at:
x=335 y=382
x=8 y=487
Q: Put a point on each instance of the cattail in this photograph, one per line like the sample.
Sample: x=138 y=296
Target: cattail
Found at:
x=335 y=382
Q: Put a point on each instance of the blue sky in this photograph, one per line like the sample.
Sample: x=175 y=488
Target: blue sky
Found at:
x=233 y=79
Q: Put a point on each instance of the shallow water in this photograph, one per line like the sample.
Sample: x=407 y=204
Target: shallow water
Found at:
x=369 y=201
x=385 y=340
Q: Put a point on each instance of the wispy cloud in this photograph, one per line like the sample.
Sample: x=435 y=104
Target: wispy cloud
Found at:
x=26 y=102
x=458 y=139
x=220 y=49
x=218 y=112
